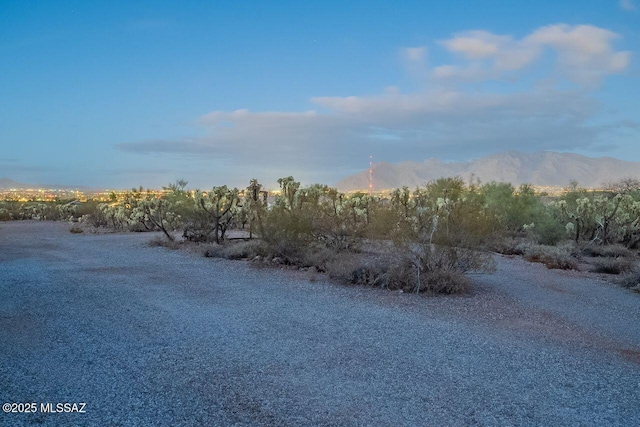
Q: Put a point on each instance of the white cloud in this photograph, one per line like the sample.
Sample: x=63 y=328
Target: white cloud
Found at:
x=503 y=52
x=393 y=125
x=584 y=53
x=476 y=44
x=443 y=119
x=627 y=5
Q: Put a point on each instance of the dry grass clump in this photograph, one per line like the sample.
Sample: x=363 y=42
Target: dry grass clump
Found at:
x=553 y=257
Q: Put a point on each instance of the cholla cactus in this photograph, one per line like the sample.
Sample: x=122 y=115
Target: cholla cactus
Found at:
x=221 y=204
x=570 y=228
x=619 y=219
x=289 y=189
x=140 y=210
x=581 y=215
x=401 y=200
x=253 y=206
x=156 y=211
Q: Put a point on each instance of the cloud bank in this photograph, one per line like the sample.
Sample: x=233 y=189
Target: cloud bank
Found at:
x=497 y=92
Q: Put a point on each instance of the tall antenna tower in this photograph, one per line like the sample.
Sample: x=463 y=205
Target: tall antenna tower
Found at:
x=370 y=175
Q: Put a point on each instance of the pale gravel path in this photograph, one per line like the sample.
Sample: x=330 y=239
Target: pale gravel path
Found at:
x=148 y=336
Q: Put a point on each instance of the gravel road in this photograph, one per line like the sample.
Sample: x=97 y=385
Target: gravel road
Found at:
x=150 y=336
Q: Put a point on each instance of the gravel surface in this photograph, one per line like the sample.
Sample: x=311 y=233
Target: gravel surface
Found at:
x=149 y=336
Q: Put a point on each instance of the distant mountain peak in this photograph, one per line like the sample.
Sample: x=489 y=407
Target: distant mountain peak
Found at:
x=543 y=168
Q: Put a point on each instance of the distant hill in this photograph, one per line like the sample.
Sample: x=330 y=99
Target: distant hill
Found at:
x=6 y=184
x=543 y=168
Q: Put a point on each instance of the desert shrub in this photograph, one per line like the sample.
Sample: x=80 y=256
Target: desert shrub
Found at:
x=435 y=268
x=382 y=272
x=611 y=265
x=506 y=246
x=5 y=215
x=287 y=235
x=385 y=222
x=630 y=279
x=367 y=275
x=510 y=208
x=97 y=216
x=442 y=277
x=244 y=249
x=553 y=257
x=446 y=282
x=237 y=250
x=442 y=273
x=450 y=258
x=612 y=251
x=213 y=251
x=321 y=258
x=548 y=230
x=88 y=212
x=158 y=241
x=547 y=226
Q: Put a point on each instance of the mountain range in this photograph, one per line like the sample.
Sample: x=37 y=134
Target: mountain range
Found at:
x=544 y=168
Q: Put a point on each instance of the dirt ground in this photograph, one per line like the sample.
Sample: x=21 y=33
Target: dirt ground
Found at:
x=149 y=336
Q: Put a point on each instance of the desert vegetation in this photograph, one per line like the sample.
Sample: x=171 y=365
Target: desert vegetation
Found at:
x=427 y=239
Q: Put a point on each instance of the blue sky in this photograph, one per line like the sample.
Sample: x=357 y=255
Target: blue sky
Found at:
x=120 y=94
